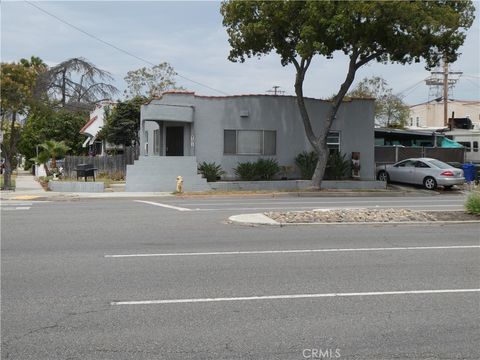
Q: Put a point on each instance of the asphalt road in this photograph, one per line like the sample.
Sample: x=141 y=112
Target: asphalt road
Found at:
x=215 y=290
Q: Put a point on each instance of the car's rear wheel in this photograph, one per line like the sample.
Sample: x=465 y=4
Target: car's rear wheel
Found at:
x=430 y=183
x=383 y=176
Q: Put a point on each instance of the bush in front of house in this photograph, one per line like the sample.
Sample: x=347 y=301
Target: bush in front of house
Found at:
x=472 y=205
x=338 y=167
x=211 y=171
x=246 y=171
x=266 y=169
x=306 y=162
x=262 y=169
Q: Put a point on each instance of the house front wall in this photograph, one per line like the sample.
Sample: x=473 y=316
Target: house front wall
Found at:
x=211 y=116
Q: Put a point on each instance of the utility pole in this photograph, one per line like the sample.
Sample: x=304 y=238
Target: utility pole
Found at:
x=445 y=91
x=275 y=90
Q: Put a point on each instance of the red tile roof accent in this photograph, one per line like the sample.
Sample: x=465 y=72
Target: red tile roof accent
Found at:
x=90 y=122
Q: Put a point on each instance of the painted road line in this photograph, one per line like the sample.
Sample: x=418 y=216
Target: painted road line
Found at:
x=295 y=296
x=164 y=205
x=299 y=251
x=15 y=208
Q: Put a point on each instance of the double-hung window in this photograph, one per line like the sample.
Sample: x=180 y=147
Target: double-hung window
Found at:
x=333 y=141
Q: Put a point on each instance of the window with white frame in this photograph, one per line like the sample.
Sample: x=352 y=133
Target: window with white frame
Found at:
x=249 y=142
x=333 y=141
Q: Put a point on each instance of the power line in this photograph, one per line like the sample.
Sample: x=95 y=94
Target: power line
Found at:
x=116 y=47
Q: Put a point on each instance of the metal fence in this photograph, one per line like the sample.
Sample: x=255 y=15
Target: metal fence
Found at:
x=392 y=154
x=113 y=165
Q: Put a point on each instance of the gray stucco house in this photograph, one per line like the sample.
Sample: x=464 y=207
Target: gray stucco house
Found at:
x=180 y=130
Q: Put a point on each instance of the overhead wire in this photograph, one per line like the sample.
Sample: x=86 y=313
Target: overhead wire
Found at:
x=116 y=47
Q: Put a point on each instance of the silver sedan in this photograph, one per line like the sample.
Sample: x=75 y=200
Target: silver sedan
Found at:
x=422 y=171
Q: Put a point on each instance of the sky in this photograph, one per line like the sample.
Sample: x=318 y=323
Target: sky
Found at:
x=189 y=35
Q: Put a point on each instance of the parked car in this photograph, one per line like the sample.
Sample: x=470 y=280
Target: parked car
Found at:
x=426 y=171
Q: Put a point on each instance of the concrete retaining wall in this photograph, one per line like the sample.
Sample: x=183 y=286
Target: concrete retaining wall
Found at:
x=296 y=185
x=76 y=186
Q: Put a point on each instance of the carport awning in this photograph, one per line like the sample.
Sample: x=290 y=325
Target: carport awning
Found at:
x=447 y=143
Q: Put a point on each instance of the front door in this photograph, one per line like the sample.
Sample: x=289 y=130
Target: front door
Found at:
x=174 y=141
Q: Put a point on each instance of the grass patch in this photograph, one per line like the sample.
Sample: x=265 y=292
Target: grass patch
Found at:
x=472 y=205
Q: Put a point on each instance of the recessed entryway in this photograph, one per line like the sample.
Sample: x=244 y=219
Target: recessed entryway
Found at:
x=174 y=141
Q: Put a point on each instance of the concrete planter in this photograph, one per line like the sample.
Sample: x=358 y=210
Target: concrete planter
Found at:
x=294 y=185
x=76 y=186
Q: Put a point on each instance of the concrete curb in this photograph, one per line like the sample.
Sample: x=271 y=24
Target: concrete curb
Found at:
x=261 y=219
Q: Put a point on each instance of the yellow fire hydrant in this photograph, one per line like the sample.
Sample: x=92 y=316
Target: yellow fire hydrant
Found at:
x=179 y=184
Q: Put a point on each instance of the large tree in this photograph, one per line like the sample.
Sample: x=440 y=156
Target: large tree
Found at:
x=16 y=82
x=75 y=84
x=390 y=110
x=364 y=31
x=150 y=81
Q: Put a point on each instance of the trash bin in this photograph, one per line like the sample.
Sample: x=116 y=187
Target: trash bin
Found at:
x=469 y=172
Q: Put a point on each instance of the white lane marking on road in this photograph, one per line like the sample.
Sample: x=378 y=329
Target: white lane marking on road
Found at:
x=15 y=208
x=163 y=205
x=298 y=251
x=293 y=296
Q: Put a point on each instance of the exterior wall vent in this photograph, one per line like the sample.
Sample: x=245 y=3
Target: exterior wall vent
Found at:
x=244 y=113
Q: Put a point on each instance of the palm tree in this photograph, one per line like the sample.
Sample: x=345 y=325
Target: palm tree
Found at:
x=52 y=150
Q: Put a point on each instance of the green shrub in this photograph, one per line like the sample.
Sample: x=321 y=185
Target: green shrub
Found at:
x=337 y=167
x=246 y=170
x=306 y=162
x=211 y=171
x=472 y=205
x=265 y=169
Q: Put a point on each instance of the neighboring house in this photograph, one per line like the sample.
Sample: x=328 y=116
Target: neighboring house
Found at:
x=429 y=115
x=93 y=126
x=470 y=139
x=180 y=130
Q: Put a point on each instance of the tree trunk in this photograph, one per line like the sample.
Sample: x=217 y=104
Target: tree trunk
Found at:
x=318 y=143
x=9 y=152
x=7 y=174
x=320 y=168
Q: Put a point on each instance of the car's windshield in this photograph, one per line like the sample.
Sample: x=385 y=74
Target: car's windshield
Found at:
x=439 y=164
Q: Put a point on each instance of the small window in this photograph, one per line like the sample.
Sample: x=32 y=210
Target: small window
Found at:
x=418 y=121
x=467 y=145
x=475 y=146
x=98 y=148
x=333 y=141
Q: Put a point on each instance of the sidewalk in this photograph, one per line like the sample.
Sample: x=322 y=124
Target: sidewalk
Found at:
x=27 y=188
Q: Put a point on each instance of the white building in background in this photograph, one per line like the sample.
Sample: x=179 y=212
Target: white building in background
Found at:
x=94 y=125
x=429 y=115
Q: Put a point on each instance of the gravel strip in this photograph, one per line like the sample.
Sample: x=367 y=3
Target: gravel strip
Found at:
x=366 y=215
